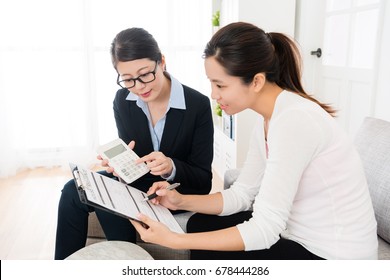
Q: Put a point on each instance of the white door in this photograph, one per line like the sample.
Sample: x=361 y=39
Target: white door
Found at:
x=340 y=40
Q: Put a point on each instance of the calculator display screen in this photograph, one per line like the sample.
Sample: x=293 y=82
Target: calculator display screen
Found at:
x=113 y=152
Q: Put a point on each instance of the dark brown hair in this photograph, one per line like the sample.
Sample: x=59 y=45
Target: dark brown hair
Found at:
x=244 y=50
x=134 y=43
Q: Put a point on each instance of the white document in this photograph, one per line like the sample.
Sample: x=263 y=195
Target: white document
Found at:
x=118 y=198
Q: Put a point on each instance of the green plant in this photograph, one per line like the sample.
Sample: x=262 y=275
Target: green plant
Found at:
x=215 y=19
x=218 y=110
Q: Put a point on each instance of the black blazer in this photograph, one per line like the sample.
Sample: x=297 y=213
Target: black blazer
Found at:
x=187 y=139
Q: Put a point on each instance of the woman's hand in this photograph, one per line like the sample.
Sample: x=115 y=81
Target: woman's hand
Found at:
x=170 y=199
x=157 y=232
x=158 y=163
x=106 y=163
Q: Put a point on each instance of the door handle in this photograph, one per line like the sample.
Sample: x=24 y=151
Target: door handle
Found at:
x=318 y=52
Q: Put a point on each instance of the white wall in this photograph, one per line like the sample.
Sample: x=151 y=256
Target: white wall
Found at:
x=382 y=104
x=271 y=16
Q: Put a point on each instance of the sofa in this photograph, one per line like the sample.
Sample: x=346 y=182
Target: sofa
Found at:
x=373 y=144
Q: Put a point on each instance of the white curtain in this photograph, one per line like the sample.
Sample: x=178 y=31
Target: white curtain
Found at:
x=57 y=82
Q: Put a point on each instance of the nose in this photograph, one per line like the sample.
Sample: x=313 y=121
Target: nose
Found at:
x=139 y=84
x=214 y=95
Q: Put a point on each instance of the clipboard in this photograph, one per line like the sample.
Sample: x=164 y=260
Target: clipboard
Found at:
x=118 y=198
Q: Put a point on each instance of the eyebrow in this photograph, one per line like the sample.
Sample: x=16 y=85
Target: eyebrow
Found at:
x=216 y=81
x=139 y=70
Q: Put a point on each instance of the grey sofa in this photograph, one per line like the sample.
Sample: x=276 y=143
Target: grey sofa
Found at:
x=373 y=144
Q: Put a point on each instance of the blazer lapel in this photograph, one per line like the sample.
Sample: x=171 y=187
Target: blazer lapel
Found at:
x=141 y=128
x=172 y=126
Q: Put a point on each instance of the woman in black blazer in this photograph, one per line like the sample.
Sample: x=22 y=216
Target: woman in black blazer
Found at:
x=169 y=125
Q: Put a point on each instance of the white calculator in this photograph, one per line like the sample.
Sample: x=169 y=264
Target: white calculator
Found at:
x=122 y=159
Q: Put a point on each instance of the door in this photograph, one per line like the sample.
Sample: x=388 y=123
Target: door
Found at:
x=340 y=40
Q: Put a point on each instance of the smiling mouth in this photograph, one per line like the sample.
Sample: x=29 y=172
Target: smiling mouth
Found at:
x=146 y=93
x=223 y=107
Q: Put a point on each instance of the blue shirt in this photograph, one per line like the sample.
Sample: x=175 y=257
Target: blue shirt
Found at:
x=176 y=101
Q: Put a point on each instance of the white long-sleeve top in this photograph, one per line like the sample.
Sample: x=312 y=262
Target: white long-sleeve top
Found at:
x=311 y=188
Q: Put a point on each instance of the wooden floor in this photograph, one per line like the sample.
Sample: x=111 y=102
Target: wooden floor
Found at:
x=28 y=213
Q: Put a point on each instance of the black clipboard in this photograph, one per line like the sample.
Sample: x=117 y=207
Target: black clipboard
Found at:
x=131 y=200
x=84 y=199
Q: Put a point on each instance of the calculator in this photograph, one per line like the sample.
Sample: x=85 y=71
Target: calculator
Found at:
x=122 y=159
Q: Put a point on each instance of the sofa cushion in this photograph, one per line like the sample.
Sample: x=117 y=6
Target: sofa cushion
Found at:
x=373 y=144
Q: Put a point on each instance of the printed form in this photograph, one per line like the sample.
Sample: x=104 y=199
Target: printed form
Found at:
x=118 y=198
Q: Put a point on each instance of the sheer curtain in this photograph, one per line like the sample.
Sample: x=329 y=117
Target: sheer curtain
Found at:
x=57 y=83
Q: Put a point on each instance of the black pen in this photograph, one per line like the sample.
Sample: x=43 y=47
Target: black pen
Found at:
x=154 y=195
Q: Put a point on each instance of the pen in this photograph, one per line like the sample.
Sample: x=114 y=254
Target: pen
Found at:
x=154 y=195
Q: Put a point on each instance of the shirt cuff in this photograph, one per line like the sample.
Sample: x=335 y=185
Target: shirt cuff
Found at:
x=170 y=177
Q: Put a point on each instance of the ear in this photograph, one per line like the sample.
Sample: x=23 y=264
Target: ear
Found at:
x=163 y=65
x=258 y=81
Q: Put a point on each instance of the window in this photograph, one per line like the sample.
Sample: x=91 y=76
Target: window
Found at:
x=57 y=82
x=353 y=24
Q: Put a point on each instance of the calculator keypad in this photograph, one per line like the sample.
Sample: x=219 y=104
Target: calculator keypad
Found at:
x=125 y=166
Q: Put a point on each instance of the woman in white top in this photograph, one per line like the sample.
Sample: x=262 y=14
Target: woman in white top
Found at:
x=302 y=193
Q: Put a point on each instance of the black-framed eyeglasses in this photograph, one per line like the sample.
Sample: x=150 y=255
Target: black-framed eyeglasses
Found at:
x=144 y=78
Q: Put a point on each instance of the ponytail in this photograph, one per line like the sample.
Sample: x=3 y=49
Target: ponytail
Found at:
x=289 y=68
